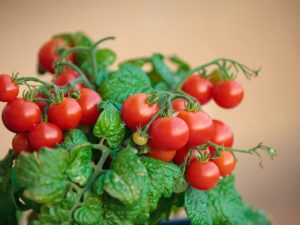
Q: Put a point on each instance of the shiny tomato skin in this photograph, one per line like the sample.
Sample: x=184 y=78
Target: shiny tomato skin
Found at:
x=48 y=54
x=223 y=135
x=20 y=143
x=228 y=94
x=9 y=90
x=45 y=135
x=203 y=175
x=65 y=77
x=66 y=114
x=165 y=156
x=200 y=126
x=179 y=104
x=226 y=163
x=88 y=101
x=137 y=112
x=20 y=115
x=168 y=133
x=198 y=87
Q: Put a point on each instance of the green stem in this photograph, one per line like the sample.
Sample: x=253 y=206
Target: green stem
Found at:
x=24 y=80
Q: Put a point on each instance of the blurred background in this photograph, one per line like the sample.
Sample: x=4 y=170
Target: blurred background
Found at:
x=257 y=33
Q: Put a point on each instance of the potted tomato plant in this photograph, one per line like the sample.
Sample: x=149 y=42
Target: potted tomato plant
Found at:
x=123 y=146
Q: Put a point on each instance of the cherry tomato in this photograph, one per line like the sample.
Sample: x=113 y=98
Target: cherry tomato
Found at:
x=20 y=115
x=226 y=163
x=198 y=87
x=223 y=135
x=203 y=175
x=45 y=135
x=200 y=126
x=179 y=104
x=137 y=112
x=162 y=155
x=139 y=139
x=48 y=54
x=168 y=133
x=65 y=77
x=20 y=143
x=9 y=90
x=216 y=76
x=66 y=114
x=228 y=94
x=88 y=101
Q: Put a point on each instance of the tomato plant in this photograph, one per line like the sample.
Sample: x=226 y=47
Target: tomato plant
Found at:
x=137 y=112
x=20 y=115
x=97 y=145
x=9 y=90
x=45 y=135
x=228 y=94
x=203 y=175
x=66 y=114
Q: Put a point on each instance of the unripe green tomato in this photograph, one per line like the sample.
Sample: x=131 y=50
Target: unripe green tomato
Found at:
x=138 y=139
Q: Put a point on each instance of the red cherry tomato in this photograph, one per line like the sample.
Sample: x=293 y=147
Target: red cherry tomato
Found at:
x=48 y=54
x=179 y=104
x=9 y=90
x=228 y=94
x=198 y=87
x=65 y=77
x=226 y=163
x=20 y=143
x=45 y=135
x=66 y=114
x=162 y=155
x=203 y=175
x=88 y=102
x=20 y=115
x=137 y=112
x=168 y=133
x=200 y=126
x=223 y=135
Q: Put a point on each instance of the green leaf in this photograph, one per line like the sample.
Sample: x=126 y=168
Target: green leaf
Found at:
x=110 y=125
x=98 y=185
x=163 y=177
x=181 y=64
x=42 y=174
x=7 y=207
x=90 y=213
x=105 y=57
x=126 y=81
x=58 y=213
x=196 y=204
x=80 y=167
x=256 y=217
x=162 y=70
x=72 y=138
x=127 y=179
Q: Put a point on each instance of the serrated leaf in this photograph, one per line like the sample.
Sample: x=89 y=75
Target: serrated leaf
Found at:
x=127 y=179
x=126 y=81
x=42 y=174
x=256 y=216
x=7 y=207
x=90 y=213
x=72 y=138
x=105 y=57
x=58 y=213
x=80 y=167
x=98 y=185
x=162 y=70
x=162 y=179
x=110 y=125
x=196 y=205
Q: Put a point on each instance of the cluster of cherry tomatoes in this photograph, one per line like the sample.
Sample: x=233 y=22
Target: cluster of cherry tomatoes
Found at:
x=41 y=123
x=173 y=137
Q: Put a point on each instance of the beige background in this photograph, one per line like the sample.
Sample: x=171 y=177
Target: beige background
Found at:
x=256 y=32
